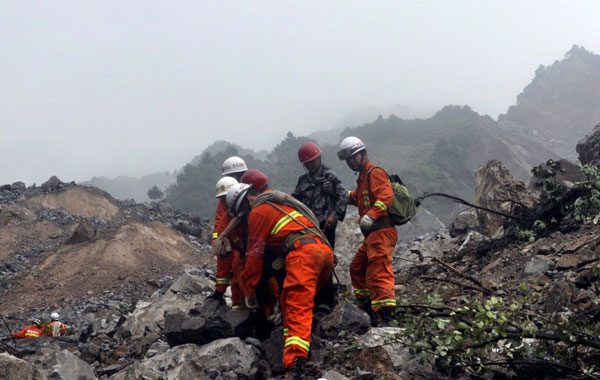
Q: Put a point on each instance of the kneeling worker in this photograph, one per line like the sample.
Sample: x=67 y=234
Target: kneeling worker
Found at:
x=278 y=222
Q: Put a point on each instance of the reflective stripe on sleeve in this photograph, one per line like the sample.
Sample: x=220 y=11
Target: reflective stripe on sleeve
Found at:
x=381 y=205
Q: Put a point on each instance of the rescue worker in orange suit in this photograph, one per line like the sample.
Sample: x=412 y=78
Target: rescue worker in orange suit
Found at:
x=371 y=269
x=308 y=262
x=225 y=257
x=269 y=290
x=32 y=331
x=234 y=167
x=55 y=327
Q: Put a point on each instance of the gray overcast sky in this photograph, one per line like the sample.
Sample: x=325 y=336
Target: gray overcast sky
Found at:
x=132 y=87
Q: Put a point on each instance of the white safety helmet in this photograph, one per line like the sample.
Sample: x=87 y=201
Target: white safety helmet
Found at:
x=233 y=164
x=349 y=147
x=235 y=196
x=54 y=316
x=223 y=185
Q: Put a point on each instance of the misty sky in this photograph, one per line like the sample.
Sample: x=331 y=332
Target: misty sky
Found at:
x=108 y=88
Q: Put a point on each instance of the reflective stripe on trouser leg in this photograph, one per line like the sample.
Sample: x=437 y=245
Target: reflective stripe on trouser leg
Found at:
x=296 y=340
x=383 y=303
x=379 y=272
x=358 y=270
x=224 y=272
x=308 y=267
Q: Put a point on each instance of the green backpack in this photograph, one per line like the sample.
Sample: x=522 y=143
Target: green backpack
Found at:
x=403 y=206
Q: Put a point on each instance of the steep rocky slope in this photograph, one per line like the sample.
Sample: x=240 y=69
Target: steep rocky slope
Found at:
x=561 y=104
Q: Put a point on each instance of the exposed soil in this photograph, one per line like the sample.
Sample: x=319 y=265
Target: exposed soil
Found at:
x=80 y=201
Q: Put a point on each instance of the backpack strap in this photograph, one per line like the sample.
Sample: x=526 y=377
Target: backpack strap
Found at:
x=369 y=175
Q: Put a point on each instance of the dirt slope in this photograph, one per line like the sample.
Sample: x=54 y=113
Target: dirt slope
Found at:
x=126 y=247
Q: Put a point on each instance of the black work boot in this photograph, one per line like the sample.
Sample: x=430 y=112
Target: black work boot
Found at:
x=296 y=371
x=365 y=305
x=388 y=317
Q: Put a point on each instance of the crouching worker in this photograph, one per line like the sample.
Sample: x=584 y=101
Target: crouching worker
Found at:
x=32 y=331
x=279 y=223
x=55 y=327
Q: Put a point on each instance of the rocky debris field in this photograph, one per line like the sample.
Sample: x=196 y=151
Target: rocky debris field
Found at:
x=60 y=242
x=492 y=298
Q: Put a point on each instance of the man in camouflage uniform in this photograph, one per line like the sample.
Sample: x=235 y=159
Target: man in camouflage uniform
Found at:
x=321 y=190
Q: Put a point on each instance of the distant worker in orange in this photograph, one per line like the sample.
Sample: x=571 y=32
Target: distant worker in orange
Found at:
x=224 y=254
x=275 y=228
x=55 y=327
x=371 y=269
x=32 y=331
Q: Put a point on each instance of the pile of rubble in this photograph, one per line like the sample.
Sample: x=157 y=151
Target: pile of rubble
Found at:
x=165 y=328
x=63 y=241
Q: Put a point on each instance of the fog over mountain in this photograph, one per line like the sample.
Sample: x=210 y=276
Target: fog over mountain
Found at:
x=117 y=88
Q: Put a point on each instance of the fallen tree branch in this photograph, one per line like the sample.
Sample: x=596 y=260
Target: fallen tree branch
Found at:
x=464 y=275
x=455 y=283
x=537 y=335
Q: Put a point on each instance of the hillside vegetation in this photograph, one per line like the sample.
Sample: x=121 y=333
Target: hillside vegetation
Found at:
x=431 y=155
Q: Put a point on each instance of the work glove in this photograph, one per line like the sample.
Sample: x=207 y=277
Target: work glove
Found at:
x=328 y=186
x=365 y=224
x=217 y=246
x=251 y=302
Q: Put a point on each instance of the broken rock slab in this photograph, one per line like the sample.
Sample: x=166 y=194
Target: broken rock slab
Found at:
x=333 y=375
x=211 y=321
x=150 y=316
x=537 y=265
x=345 y=317
x=13 y=368
x=63 y=366
x=193 y=362
x=192 y=281
x=588 y=148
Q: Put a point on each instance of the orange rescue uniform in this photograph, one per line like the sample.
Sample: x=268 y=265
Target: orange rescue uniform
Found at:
x=230 y=266
x=371 y=269
x=48 y=330
x=308 y=266
x=32 y=331
x=224 y=264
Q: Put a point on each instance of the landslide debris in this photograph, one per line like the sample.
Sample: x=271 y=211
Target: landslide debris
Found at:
x=507 y=304
x=60 y=242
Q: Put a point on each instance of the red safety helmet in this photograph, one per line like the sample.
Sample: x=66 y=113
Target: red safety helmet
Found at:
x=308 y=151
x=256 y=178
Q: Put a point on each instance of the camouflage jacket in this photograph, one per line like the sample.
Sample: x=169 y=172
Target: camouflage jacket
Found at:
x=309 y=191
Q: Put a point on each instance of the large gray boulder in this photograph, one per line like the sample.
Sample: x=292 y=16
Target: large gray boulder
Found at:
x=192 y=281
x=345 y=317
x=192 y=362
x=211 y=321
x=13 y=368
x=62 y=365
x=150 y=316
x=588 y=148
x=496 y=189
